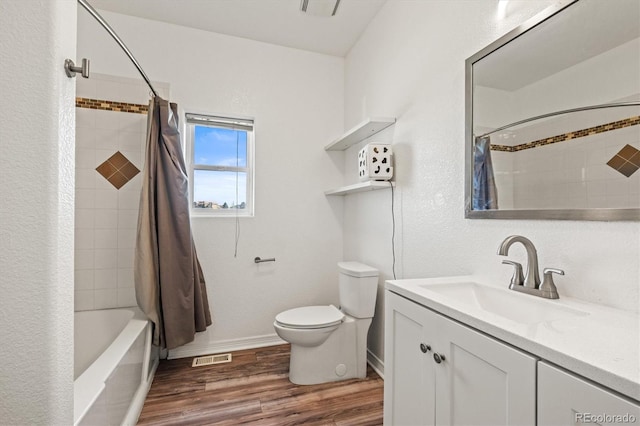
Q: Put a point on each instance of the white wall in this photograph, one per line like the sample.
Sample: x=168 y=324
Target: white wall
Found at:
x=410 y=64
x=36 y=212
x=296 y=99
x=616 y=70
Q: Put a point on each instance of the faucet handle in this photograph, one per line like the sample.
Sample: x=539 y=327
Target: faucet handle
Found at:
x=548 y=287
x=517 y=278
x=549 y=271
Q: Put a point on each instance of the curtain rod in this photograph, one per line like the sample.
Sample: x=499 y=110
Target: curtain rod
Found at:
x=566 y=111
x=113 y=34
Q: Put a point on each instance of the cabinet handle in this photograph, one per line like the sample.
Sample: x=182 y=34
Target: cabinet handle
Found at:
x=424 y=348
x=438 y=358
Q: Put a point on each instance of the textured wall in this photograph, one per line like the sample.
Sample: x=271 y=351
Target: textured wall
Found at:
x=410 y=64
x=295 y=98
x=36 y=212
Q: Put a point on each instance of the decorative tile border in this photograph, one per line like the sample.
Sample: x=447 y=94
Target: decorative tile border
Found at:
x=627 y=122
x=503 y=148
x=111 y=105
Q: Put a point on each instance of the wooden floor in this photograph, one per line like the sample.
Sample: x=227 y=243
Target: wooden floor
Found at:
x=254 y=389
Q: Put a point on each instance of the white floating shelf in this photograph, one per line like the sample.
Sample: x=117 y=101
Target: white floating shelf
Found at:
x=370 y=185
x=362 y=131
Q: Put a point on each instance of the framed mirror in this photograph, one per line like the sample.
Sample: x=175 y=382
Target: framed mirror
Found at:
x=553 y=117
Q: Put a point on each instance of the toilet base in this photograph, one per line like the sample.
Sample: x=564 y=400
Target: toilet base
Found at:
x=342 y=356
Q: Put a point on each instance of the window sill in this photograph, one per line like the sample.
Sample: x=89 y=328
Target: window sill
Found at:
x=230 y=215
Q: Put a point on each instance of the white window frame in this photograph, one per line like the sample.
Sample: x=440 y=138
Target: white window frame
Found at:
x=221 y=121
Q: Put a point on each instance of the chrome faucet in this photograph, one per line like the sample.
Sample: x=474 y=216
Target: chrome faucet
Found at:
x=531 y=277
x=531 y=283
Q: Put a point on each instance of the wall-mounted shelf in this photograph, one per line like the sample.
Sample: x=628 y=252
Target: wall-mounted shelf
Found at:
x=367 y=128
x=370 y=185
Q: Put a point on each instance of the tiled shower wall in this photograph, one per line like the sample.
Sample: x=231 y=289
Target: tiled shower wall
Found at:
x=569 y=175
x=106 y=217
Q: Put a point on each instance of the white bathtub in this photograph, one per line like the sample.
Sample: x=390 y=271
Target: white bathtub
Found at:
x=114 y=366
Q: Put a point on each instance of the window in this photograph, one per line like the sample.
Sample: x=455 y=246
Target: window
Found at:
x=220 y=159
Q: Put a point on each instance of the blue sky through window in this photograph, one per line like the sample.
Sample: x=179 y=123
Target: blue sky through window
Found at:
x=215 y=146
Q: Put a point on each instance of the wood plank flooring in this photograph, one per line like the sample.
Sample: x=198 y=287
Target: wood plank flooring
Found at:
x=254 y=389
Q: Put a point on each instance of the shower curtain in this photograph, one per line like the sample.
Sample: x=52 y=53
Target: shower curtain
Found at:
x=485 y=195
x=170 y=286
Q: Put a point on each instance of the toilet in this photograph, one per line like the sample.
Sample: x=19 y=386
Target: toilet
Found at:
x=329 y=343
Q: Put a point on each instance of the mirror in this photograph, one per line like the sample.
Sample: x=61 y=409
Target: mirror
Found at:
x=553 y=117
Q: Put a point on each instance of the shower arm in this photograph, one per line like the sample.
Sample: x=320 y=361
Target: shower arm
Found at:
x=113 y=34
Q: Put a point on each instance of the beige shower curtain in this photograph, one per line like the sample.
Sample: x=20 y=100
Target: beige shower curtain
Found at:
x=170 y=287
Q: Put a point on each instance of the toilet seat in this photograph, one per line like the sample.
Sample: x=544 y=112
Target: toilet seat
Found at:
x=310 y=317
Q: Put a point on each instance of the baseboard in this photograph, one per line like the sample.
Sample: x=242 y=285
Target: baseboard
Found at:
x=250 y=343
x=190 y=350
x=376 y=363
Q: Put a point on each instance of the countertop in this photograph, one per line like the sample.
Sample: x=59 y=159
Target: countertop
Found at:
x=603 y=346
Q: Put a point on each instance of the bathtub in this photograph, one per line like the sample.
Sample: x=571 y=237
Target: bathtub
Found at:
x=114 y=365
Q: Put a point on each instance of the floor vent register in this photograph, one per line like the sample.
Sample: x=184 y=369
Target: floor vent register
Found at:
x=211 y=359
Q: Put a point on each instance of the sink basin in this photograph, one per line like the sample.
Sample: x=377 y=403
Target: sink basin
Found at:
x=522 y=308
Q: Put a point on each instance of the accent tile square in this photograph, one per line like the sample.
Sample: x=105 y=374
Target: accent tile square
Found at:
x=118 y=180
x=118 y=170
x=628 y=169
x=616 y=162
x=626 y=161
x=118 y=160
x=129 y=170
x=106 y=169
x=627 y=152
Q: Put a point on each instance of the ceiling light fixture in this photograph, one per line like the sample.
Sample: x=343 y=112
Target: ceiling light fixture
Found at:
x=502 y=8
x=320 y=7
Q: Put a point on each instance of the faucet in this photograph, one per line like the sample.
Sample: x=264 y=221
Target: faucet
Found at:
x=531 y=283
x=531 y=277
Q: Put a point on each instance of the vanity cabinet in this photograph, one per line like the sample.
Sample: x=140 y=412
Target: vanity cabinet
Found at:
x=440 y=372
x=566 y=399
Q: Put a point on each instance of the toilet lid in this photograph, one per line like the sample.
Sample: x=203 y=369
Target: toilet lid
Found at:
x=310 y=317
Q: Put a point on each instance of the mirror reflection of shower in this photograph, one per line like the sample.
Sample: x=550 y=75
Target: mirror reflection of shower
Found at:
x=550 y=100
x=570 y=161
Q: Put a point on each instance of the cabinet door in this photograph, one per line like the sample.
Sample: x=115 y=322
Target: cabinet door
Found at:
x=409 y=388
x=566 y=399
x=482 y=381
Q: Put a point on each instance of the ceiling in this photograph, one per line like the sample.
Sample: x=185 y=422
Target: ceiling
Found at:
x=582 y=31
x=272 y=21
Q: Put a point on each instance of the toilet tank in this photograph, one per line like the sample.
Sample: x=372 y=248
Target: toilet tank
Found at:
x=358 y=285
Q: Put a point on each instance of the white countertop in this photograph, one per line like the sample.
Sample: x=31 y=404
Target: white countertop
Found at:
x=603 y=346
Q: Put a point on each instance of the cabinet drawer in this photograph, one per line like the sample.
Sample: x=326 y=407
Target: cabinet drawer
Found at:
x=567 y=399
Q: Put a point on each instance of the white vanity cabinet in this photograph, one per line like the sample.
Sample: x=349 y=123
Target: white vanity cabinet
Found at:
x=409 y=379
x=566 y=399
x=478 y=380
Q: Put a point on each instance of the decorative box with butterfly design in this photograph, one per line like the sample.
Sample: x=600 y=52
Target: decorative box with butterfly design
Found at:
x=374 y=162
